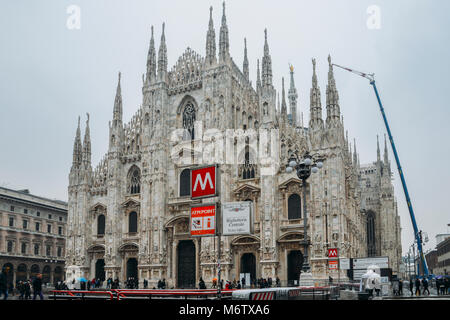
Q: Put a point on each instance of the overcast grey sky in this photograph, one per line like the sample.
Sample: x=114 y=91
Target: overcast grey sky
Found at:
x=51 y=74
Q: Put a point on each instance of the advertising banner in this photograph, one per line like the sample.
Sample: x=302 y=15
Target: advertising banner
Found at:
x=237 y=218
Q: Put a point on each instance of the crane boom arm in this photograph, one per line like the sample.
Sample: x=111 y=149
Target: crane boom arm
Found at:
x=417 y=233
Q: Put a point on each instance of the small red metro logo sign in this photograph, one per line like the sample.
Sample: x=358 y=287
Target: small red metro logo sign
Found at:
x=203 y=182
x=332 y=253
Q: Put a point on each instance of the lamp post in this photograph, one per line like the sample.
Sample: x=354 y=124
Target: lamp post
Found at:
x=304 y=167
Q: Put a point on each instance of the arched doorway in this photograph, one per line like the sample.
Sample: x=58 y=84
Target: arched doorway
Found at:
x=248 y=265
x=34 y=271
x=9 y=268
x=46 y=274
x=100 y=269
x=371 y=241
x=186 y=264
x=132 y=268
x=294 y=264
x=58 y=274
x=21 y=274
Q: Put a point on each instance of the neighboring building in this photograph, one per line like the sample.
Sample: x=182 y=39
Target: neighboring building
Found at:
x=129 y=216
x=380 y=206
x=432 y=261
x=441 y=237
x=32 y=236
x=443 y=257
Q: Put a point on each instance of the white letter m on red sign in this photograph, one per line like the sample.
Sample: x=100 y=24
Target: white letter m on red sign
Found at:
x=203 y=183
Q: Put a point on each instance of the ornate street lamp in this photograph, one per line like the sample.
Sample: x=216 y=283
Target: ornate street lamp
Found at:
x=304 y=167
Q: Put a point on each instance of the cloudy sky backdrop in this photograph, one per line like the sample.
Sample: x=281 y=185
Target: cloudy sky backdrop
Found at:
x=50 y=75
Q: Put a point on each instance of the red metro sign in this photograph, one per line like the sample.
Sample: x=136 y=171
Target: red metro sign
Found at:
x=332 y=253
x=203 y=182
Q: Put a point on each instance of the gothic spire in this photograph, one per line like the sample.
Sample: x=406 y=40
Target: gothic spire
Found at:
x=355 y=155
x=292 y=96
x=386 y=159
x=117 y=113
x=245 y=64
x=77 y=148
x=278 y=102
x=333 y=112
x=378 y=151
x=258 y=78
x=162 y=56
x=315 y=102
x=151 y=60
x=211 y=41
x=87 y=145
x=283 y=99
x=224 y=44
x=266 y=63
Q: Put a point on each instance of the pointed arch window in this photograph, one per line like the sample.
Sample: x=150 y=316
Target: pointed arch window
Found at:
x=185 y=183
x=371 y=248
x=101 y=225
x=248 y=168
x=132 y=222
x=134 y=180
x=188 y=121
x=294 y=207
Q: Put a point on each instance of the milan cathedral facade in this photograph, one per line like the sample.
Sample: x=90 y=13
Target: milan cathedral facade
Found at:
x=129 y=216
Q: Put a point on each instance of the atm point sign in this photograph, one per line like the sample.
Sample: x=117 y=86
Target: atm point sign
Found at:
x=203 y=182
x=203 y=220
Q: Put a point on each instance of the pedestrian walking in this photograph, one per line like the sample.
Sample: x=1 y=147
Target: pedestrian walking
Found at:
x=417 y=283
x=28 y=290
x=3 y=284
x=11 y=289
x=89 y=285
x=425 y=286
x=446 y=285
x=145 y=283
x=109 y=283
x=438 y=286
x=37 y=287
x=400 y=287
x=201 y=284
x=243 y=282
x=411 y=286
x=21 y=288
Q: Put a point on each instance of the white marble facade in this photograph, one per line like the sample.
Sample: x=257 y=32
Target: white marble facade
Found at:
x=131 y=214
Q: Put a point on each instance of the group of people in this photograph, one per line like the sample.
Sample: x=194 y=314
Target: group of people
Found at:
x=443 y=286
x=24 y=287
x=255 y=283
x=132 y=283
x=162 y=284
x=94 y=283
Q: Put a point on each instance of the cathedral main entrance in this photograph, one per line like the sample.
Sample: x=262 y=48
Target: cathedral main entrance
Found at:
x=186 y=264
x=100 y=269
x=248 y=265
x=132 y=268
x=295 y=263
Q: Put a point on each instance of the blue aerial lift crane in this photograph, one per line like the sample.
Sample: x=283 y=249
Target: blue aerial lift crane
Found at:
x=417 y=233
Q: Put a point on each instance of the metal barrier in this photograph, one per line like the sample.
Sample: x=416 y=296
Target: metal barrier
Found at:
x=81 y=294
x=173 y=293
